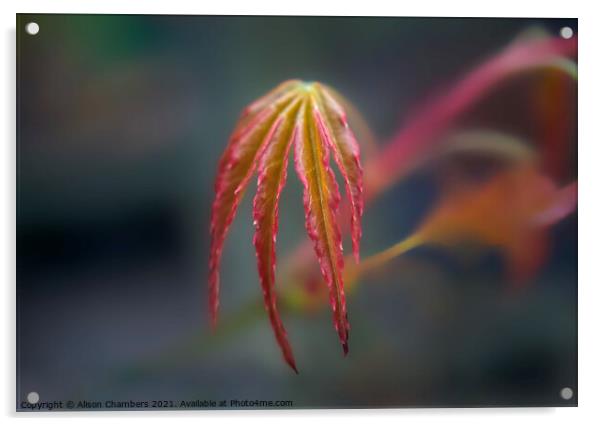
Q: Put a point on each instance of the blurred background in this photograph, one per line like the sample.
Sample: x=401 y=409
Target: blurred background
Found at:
x=121 y=123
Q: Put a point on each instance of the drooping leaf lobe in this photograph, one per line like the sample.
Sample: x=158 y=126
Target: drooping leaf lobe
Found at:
x=321 y=201
x=336 y=131
x=234 y=172
x=271 y=180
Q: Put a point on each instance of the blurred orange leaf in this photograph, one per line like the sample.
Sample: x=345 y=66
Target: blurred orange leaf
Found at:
x=511 y=212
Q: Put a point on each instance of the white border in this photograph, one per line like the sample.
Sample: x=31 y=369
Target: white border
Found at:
x=590 y=214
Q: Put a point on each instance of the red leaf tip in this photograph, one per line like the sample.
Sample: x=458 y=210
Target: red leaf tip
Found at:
x=293 y=366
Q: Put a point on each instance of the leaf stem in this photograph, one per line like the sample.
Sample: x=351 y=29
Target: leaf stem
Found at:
x=378 y=259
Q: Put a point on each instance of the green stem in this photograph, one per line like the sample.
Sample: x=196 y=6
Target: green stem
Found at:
x=378 y=259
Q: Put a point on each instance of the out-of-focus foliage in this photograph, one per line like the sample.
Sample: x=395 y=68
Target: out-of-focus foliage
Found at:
x=511 y=212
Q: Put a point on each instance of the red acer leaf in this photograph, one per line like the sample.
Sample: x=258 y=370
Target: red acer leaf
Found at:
x=310 y=117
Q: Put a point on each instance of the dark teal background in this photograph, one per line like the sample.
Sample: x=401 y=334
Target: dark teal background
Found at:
x=121 y=122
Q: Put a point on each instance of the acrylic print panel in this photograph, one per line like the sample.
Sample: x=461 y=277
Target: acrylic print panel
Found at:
x=405 y=199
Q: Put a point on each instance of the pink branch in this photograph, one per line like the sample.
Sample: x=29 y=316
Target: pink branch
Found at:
x=415 y=139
